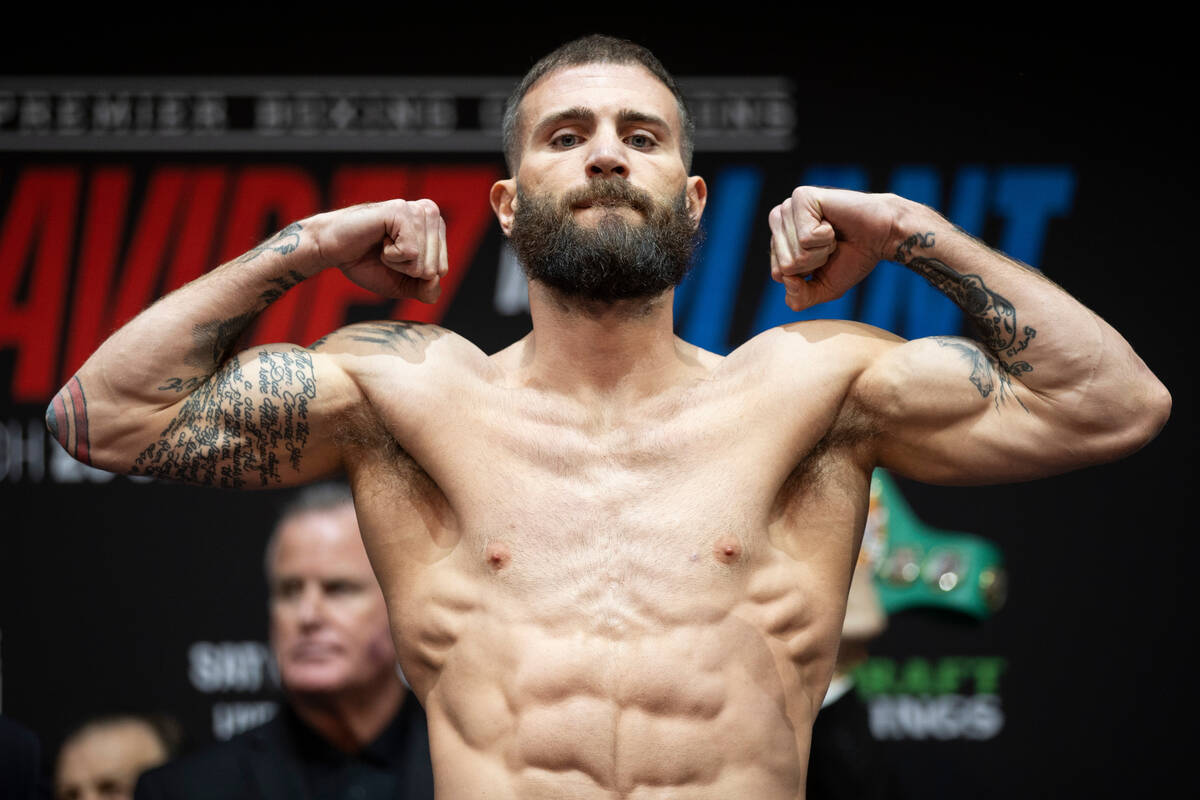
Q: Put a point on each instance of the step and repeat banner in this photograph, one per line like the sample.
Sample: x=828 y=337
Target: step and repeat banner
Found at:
x=128 y=594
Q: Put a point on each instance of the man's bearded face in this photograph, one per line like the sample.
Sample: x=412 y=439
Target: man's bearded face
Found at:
x=616 y=259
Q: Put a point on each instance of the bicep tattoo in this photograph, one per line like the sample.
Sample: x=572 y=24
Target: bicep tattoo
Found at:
x=244 y=426
x=989 y=375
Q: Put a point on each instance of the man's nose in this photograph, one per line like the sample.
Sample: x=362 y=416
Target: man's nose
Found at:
x=312 y=607
x=606 y=156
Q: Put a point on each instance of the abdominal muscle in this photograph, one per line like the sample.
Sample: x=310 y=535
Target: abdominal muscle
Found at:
x=668 y=674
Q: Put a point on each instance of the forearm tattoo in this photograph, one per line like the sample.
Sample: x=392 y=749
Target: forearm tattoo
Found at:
x=242 y=427
x=283 y=242
x=66 y=417
x=214 y=342
x=993 y=315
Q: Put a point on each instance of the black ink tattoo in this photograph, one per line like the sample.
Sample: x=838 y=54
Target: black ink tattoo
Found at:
x=989 y=375
x=905 y=249
x=391 y=335
x=239 y=428
x=281 y=285
x=284 y=242
x=215 y=341
x=180 y=384
x=992 y=313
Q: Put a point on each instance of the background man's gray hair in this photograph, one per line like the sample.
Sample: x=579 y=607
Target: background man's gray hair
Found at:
x=594 y=49
x=317 y=497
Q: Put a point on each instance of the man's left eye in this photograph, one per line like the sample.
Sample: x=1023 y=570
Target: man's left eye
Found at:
x=641 y=140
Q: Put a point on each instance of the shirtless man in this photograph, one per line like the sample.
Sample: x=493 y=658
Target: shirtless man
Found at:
x=616 y=565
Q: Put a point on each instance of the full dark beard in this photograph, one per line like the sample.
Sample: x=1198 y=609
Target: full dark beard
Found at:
x=615 y=260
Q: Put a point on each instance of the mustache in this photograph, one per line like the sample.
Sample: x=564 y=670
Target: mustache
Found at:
x=609 y=191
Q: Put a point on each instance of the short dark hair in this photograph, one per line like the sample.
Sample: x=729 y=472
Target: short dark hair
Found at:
x=593 y=49
x=317 y=497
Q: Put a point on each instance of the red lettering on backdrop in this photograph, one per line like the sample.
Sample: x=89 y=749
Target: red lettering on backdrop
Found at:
x=328 y=296
x=104 y=219
x=151 y=238
x=462 y=195
x=197 y=230
x=172 y=243
x=173 y=237
x=37 y=233
x=264 y=200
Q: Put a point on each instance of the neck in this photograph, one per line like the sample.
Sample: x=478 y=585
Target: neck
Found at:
x=620 y=350
x=353 y=718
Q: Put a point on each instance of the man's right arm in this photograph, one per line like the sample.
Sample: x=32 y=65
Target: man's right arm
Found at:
x=167 y=396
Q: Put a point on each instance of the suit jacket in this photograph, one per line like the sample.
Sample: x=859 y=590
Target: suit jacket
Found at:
x=274 y=761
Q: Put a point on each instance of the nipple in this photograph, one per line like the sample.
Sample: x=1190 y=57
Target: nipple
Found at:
x=728 y=549
x=497 y=555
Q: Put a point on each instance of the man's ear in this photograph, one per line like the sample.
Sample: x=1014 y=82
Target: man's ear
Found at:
x=697 y=197
x=504 y=203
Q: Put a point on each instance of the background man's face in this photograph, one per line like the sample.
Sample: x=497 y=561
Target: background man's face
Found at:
x=104 y=762
x=329 y=627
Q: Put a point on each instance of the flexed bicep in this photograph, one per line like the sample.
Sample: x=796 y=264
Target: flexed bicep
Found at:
x=950 y=412
x=258 y=422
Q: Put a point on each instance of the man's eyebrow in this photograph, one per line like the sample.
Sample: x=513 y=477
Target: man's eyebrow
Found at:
x=627 y=116
x=576 y=114
x=588 y=116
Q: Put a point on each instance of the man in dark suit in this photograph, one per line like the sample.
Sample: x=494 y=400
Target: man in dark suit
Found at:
x=349 y=728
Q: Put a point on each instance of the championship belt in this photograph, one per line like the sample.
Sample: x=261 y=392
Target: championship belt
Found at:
x=915 y=565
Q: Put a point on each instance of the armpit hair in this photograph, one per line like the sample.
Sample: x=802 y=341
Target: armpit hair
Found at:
x=852 y=428
x=362 y=435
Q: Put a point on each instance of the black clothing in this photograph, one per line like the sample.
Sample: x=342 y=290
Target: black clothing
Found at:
x=286 y=760
x=845 y=762
x=21 y=775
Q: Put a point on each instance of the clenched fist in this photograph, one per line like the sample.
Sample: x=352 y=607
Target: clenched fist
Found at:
x=824 y=241
x=396 y=248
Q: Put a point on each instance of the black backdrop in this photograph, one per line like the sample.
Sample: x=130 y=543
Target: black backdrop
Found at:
x=121 y=595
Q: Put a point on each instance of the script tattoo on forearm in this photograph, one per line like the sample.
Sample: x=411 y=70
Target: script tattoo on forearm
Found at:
x=67 y=420
x=240 y=427
x=993 y=315
x=180 y=384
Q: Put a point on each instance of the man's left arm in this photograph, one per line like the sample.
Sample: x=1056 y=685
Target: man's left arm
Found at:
x=1049 y=386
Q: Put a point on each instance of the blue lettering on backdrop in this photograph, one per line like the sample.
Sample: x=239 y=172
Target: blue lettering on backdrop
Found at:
x=1026 y=198
x=704 y=301
x=771 y=309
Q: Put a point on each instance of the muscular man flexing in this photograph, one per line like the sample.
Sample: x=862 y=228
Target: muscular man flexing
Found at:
x=616 y=565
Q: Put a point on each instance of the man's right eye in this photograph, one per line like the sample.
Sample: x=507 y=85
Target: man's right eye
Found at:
x=565 y=140
x=285 y=589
